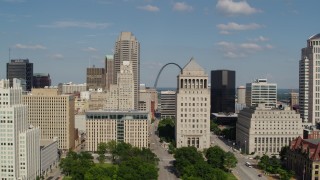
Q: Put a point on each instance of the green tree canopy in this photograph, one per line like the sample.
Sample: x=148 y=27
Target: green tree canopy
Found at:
x=215 y=156
x=229 y=161
x=166 y=129
x=186 y=156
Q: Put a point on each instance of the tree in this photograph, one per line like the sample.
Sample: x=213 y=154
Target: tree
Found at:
x=101 y=173
x=135 y=168
x=215 y=128
x=186 y=156
x=166 y=129
x=215 y=156
x=283 y=153
x=111 y=148
x=229 y=161
x=101 y=150
x=76 y=165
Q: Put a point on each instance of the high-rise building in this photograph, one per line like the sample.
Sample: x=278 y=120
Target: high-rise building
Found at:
x=96 y=78
x=127 y=48
x=261 y=130
x=121 y=95
x=149 y=97
x=261 y=92
x=54 y=114
x=168 y=104
x=20 y=69
x=193 y=107
x=309 y=77
x=110 y=73
x=19 y=142
x=41 y=80
x=223 y=91
x=241 y=95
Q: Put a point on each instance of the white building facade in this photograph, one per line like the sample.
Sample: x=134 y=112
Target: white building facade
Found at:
x=193 y=107
x=261 y=130
x=122 y=126
x=261 y=92
x=309 y=81
x=49 y=154
x=19 y=142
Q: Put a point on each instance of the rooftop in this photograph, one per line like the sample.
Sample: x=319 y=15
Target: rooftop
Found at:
x=316 y=36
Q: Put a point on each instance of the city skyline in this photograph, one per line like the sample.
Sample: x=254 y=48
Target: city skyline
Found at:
x=257 y=39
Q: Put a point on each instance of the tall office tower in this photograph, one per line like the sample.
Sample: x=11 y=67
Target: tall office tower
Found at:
x=168 y=104
x=20 y=69
x=193 y=107
x=223 y=91
x=121 y=95
x=96 y=78
x=309 y=77
x=109 y=67
x=127 y=48
x=261 y=92
x=54 y=114
x=19 y=142
x=41 y=80
x=241 y=94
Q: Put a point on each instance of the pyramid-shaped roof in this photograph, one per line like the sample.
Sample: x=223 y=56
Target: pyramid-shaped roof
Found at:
x=192 y=66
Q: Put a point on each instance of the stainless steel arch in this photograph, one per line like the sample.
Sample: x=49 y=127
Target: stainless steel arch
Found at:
x=155 y=84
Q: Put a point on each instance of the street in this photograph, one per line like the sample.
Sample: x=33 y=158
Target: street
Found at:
x=166 y=169
x=241 y=171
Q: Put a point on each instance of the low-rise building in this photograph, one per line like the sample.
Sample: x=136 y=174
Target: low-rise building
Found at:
x=49 y=155
x=261 y=130
x=303 y=158
x=123 y=126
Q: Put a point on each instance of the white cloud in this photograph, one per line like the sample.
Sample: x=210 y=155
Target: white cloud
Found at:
x=232 y=26
x=32 y=47
x=225 y=32
x=90 y=49
x=149 y=8
x=57 y=56
x=234 y=50
x=231 y=8
x=260 y=39
x=182 y=6
x=250 y=47
x=75 y=24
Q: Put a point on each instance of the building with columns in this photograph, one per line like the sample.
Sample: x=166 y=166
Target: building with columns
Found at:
x=193 y=107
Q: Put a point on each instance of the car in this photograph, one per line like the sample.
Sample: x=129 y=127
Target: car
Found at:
x=260 y=175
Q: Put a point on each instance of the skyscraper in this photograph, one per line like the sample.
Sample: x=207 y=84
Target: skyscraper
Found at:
x=19 y=142
x=127 y=48
x=109 y=67
x=241 y=95
x=193 y=107
x=309 y=81
x=20 y=69
x=223 y=91
x=261 y=92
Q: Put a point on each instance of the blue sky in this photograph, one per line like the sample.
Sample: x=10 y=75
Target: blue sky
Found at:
x=256 y=38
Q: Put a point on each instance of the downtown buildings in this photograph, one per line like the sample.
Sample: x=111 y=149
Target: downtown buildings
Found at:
x=309 y=81
x=192 y=125
x=53 y=113
x=223 y=91
x=261 y=92
x=19 y=141
x=21 y=69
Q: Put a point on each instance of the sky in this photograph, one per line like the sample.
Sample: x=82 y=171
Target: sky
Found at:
x=255 y=38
